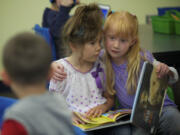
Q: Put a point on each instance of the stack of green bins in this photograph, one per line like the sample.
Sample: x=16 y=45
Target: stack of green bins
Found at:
x=163 y=24
x=169 y=23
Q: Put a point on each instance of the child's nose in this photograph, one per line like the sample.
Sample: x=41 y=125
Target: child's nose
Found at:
x=116 y=44
x=98 y=46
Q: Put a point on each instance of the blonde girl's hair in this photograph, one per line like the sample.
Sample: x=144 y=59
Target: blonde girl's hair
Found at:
x=84 y=26
x=110 y=81
x=125 y=25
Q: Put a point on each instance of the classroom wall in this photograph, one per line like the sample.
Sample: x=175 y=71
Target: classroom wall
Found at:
x=21 y=15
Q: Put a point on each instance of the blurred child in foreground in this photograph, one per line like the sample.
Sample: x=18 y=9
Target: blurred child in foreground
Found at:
x=26 y=59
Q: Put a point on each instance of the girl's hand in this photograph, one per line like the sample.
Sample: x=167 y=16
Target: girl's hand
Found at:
x=77 y=120
x=58 y=71
x=162 y=70
x=97 y=111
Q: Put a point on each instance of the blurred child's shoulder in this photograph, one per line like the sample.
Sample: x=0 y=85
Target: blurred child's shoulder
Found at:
x=26 y=105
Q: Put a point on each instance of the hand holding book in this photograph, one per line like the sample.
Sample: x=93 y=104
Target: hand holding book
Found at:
x=162 y=70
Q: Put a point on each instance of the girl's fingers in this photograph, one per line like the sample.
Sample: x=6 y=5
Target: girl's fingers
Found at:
x=94 y=113
x=163 y=70
x=58 y=76
x=100 y=113
x=76 y=121
x=89 y=113
x=97 y=113
x=61 y=75
x=81 y=122
x=158 y=68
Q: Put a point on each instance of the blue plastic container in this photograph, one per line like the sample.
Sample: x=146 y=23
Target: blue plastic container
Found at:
x=161 y=11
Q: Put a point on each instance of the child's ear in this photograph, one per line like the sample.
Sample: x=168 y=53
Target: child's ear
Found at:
x=5 y=78
x=72 y=47
x=133 y=42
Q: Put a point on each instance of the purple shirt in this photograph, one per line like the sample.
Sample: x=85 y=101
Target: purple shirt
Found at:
x=121 y=75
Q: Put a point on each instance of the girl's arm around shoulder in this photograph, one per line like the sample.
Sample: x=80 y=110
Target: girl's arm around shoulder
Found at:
x=58 y=71
x=57 y=85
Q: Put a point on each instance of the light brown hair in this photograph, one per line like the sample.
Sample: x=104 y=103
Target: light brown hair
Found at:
x=84 y=26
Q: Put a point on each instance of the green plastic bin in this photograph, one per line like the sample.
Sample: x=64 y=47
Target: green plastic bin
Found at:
x=163 y=24
x=176 y=20
x=177 y=27
x=170 y=93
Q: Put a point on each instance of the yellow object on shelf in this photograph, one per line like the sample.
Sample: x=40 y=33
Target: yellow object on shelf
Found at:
x=175 y=17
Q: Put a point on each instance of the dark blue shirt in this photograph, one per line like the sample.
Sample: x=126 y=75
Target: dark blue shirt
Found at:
x=55 y=20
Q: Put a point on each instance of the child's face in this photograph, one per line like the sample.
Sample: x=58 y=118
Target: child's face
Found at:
x=91 y=50
x=117 y=46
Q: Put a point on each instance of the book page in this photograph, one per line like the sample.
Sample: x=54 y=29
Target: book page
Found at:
x=150 y=99
x=117 y=114
x=105 y=118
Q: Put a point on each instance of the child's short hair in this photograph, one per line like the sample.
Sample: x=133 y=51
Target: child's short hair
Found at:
x=27 y=58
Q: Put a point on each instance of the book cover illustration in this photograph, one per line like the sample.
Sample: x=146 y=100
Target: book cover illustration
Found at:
x=106 y=118
x=151 y=98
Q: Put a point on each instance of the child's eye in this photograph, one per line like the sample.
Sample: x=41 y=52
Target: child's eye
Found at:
x=92 y=42
x=123 y=40
x=112 y=37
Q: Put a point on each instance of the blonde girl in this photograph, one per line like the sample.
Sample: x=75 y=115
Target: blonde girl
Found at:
x=124 y=59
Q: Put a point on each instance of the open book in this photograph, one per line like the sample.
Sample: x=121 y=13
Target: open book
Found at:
x=147 y=106
x=109 y=117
